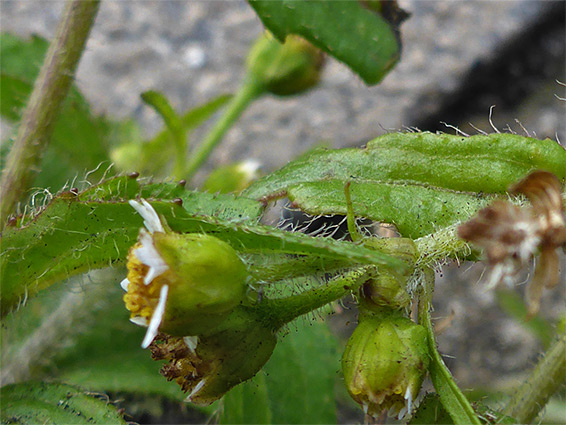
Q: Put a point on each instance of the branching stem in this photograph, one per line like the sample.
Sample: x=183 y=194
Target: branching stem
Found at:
x=49 y=92
x=249 y=91
x=453 y=400
x=282 y=311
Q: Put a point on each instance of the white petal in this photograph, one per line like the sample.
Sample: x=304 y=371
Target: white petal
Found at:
x=124 y=284
x=150 y=218
x=250 y=167
x=409 y=398
x=196 y=389
x=402 y=413
x=156 y=318
x=191 y=342
x=139 y=320
x=149 y=256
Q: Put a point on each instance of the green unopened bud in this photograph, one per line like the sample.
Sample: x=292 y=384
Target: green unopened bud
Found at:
x=389 y=288
x=233 y=178
x=285 y=69
x=181 y=284
x=210 y=365
x=385 y=291
x=385 y=362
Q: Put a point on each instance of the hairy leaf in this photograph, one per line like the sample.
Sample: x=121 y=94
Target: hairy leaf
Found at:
x=347 y=30
x=36 y=402
x=418 y=181
x=73 y=235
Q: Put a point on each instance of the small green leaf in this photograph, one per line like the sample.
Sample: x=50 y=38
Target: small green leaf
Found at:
x=37 y=402
x=298 y=383
x=151 y=157
x=346 y=30
x=174 y=124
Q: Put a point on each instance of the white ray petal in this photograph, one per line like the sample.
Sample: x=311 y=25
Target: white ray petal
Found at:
x=250 y=166
x=191 y=342
x=149 y=256
x=150 y=218
x=156 y=318
x=409 y=398
x=196 y=389
x=139 y=320
x=124 y=284
x=402 y=413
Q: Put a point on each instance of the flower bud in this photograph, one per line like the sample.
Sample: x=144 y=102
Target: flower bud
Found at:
x=181 y=284
x=385 y=362
x=385 y=291
x=389 y=289
x=210 y=365
x=233 y=178
x=285 y=68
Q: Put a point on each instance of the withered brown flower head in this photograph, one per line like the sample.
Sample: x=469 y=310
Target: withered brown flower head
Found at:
x=511 y=235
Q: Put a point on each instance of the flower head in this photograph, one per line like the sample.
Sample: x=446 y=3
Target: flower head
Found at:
x=511 y=235
x=385 y=362
x=180 y=284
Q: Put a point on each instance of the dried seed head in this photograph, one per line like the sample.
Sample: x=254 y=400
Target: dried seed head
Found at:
x=512 y=235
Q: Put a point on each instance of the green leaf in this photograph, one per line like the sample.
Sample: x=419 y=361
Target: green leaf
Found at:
x=80 y=140
x=22 y=58
x=346 y=30
x=510 y=302
x=36 y=402
x=107 y=355
x=298 y=386
x=72 y=236
x=415 y=210
x=392 y=179
x=431 y=411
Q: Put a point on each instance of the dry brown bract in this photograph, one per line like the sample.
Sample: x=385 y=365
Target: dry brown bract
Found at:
x=511 y=235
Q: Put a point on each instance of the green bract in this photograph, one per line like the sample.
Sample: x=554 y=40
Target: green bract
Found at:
x=208 y=281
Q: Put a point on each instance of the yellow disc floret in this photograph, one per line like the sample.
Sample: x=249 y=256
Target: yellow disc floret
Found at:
x=141 y=299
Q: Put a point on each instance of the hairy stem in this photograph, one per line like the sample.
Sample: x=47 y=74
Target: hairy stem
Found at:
x=547 y=377
x=238 y=104
x=50 y=89
x=453 y=400
x=284 y=310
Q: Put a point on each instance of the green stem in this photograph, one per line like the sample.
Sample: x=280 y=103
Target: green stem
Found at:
x=548 y=375
x=279 y=312
x=49 y=92
x=453 y=400
x=249 y=91
x=350 y=216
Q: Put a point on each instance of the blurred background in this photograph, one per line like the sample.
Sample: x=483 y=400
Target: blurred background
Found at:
x=459 y=59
